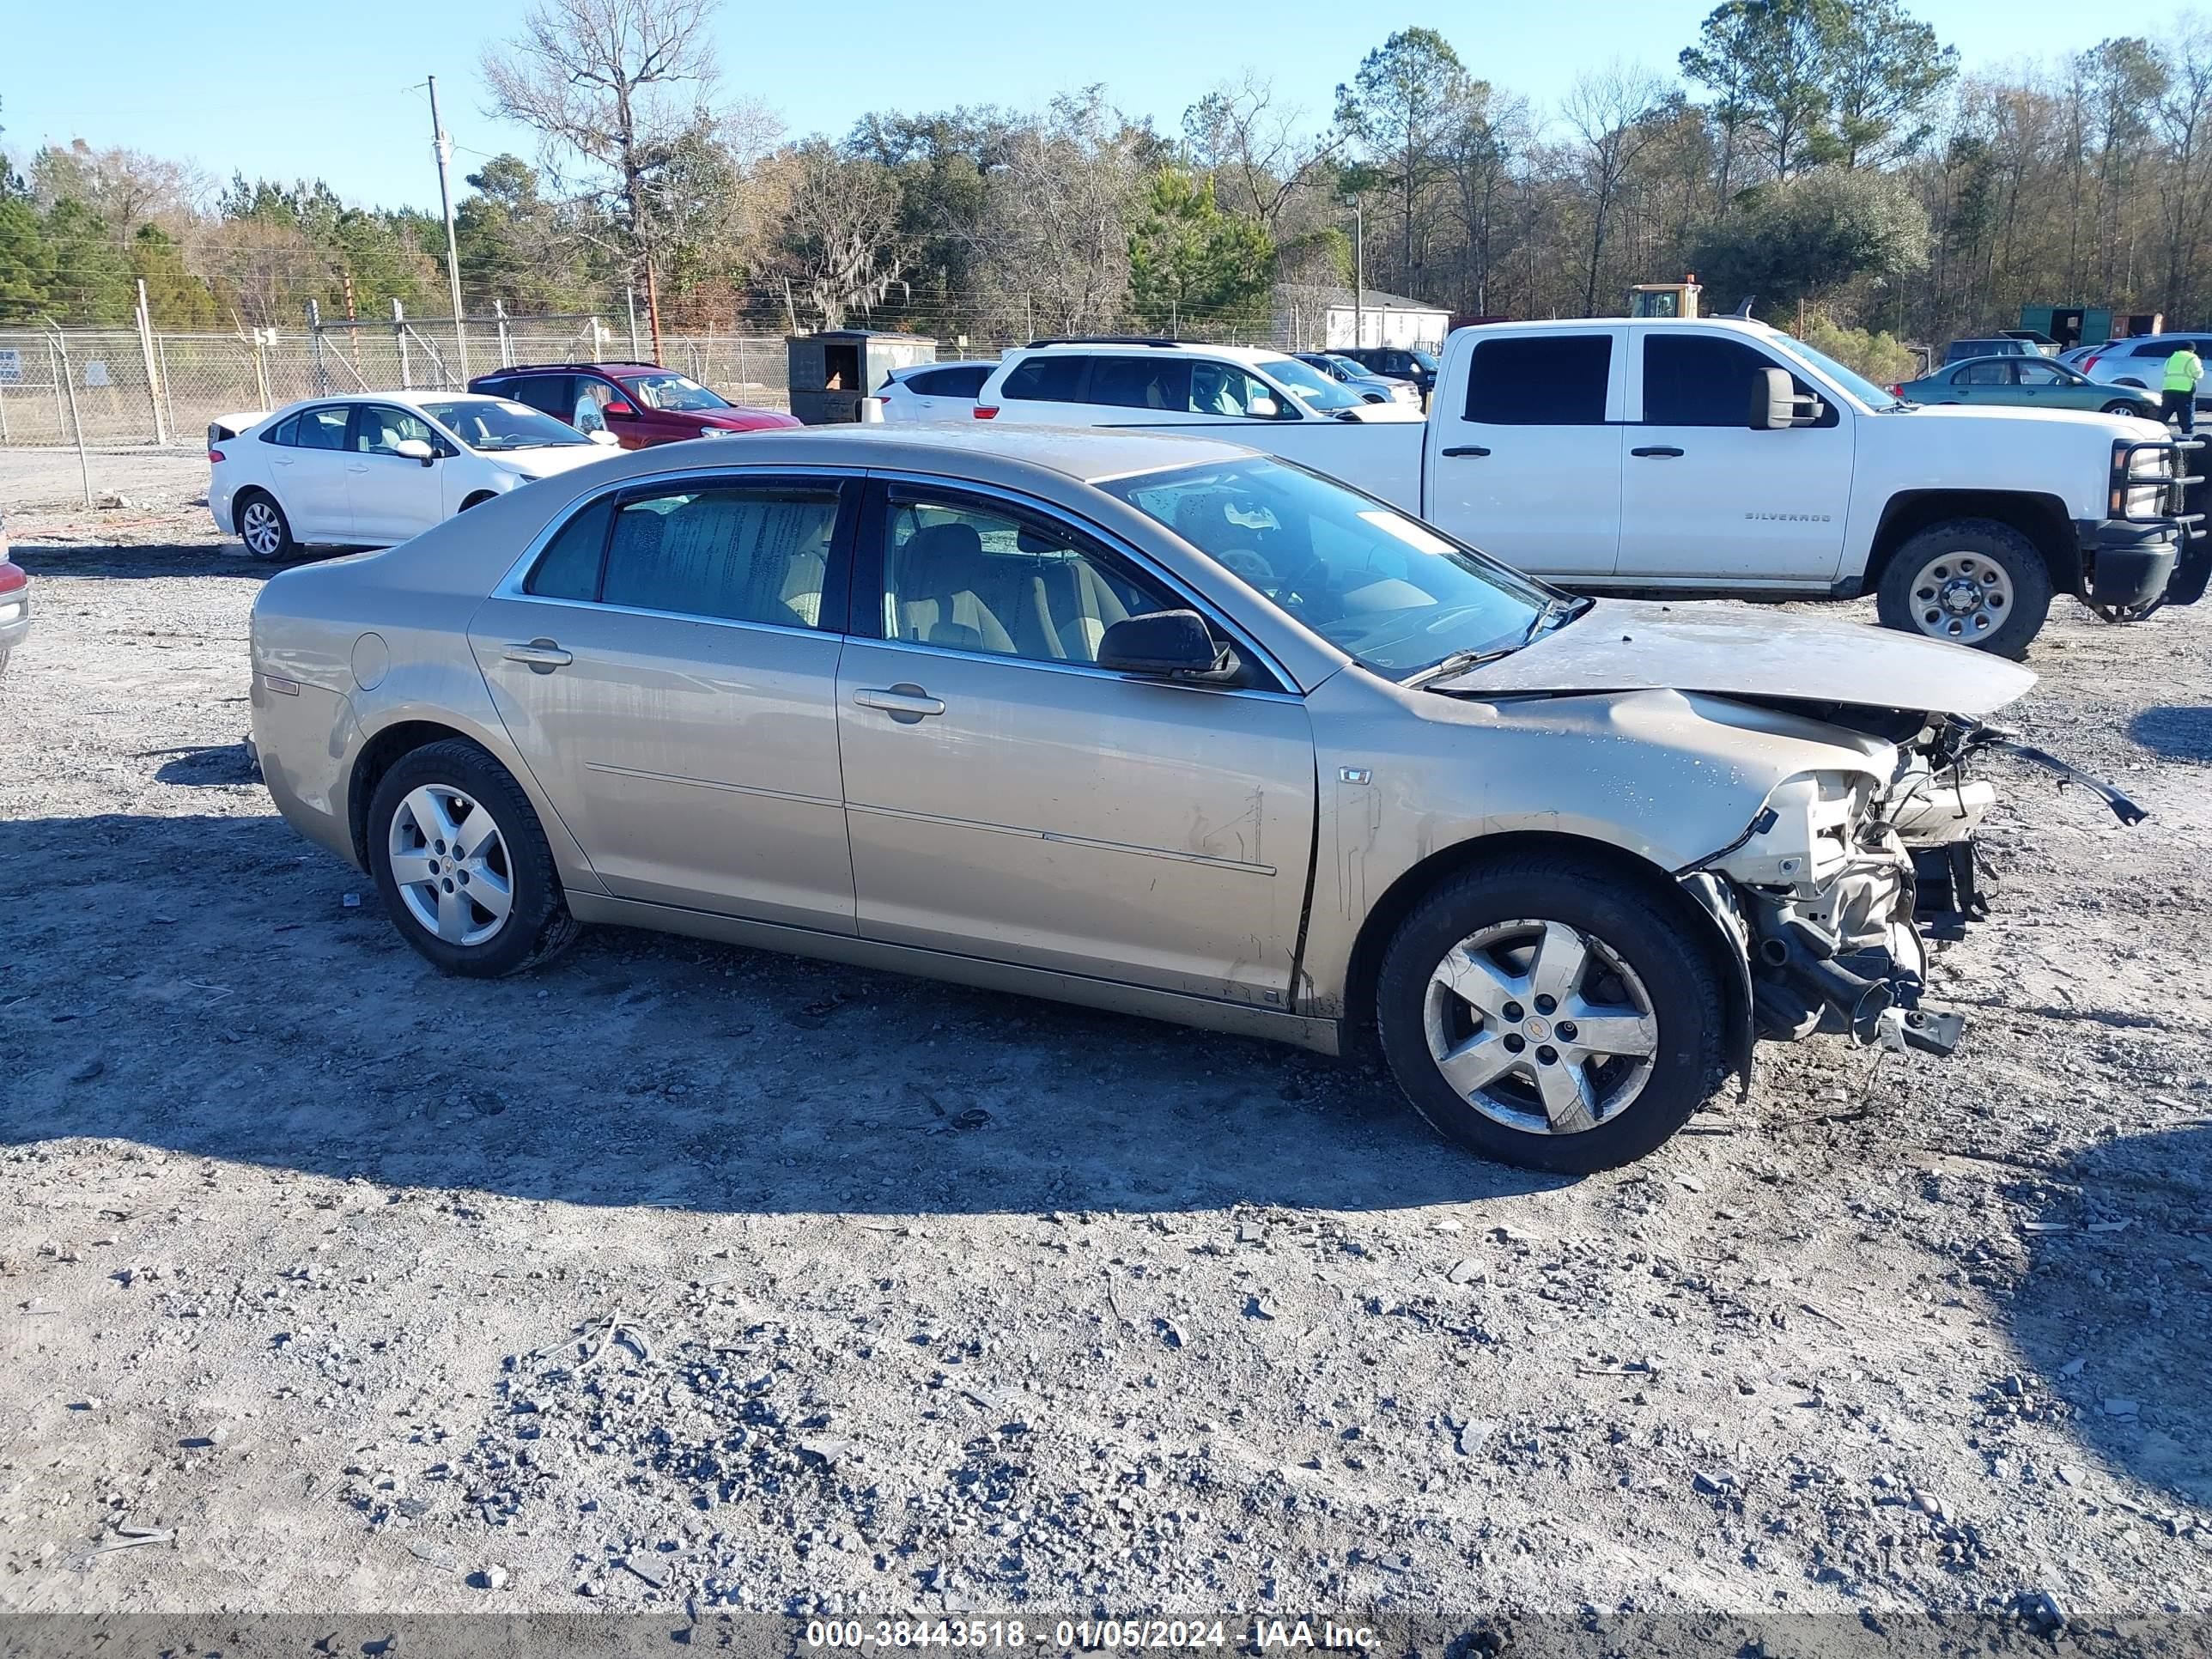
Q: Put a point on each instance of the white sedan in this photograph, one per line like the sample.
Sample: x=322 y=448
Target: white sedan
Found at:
x=374 y=469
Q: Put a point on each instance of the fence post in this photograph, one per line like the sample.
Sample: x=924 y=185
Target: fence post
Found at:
x=499 y=322
x=261 y=365
x=399 y=334
x=629 y=293
x=168 y=387
x=61 y=409
x=598 y=350
x=153 y=374
x=83 y=466
x=315 y=349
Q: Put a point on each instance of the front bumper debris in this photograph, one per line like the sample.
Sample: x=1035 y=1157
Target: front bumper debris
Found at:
x=1990 y=738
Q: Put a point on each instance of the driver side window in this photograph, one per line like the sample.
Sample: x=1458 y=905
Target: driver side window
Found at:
x=1224 y=389
x=972 y=577
x=381 y=428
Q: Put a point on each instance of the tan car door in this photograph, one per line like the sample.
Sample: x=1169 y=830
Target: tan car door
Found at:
x=1007 y=799
x=666 y=667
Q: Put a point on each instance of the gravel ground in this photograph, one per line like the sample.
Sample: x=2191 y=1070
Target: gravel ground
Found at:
x=678 y=1276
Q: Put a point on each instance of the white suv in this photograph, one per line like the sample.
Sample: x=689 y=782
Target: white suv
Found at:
x=1139 y=382
x=2140 y=362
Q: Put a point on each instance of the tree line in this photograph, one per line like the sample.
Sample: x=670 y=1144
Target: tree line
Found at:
x=1829 y=160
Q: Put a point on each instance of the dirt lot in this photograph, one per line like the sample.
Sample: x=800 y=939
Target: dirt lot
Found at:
x=676 y=1276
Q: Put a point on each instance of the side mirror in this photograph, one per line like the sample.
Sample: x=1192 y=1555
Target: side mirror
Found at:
x=1264 y=409
x=1164 y=643
x=1775 y=404
x=619 y=411
x=415 y=450
x=601 y=436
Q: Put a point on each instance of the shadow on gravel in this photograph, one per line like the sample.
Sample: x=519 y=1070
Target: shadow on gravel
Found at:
x=2111 y=1316
x=200 y=984
x=224 y=763
x=130 y=562
x=2177 y=732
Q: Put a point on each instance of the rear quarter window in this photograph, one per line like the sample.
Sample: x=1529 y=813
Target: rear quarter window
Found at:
x=964 y=382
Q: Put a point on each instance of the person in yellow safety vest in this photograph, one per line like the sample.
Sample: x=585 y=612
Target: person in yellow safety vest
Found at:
x=2183 y=369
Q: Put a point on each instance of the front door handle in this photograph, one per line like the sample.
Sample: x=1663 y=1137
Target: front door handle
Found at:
x=544 y=656
x=1658 y=449
x=1466 y=449
x=905 y=703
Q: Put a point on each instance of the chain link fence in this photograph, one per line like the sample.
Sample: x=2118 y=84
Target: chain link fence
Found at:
x=124 y=387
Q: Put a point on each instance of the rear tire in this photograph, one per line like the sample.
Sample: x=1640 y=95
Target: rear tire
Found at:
x=2121 y=407
x=476 y=896
x=1642 y=973
x=263 y=526
x=1927 y=583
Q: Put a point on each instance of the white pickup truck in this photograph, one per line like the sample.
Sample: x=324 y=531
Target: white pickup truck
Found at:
x=1722 y=456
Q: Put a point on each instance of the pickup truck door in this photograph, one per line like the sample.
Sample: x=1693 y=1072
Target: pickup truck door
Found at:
x=1525 y=449
x=1705 y=498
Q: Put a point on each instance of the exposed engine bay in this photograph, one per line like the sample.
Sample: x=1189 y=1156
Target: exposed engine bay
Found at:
x=1838 y=884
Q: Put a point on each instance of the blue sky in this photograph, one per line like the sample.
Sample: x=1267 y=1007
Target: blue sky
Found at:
x=283 y=88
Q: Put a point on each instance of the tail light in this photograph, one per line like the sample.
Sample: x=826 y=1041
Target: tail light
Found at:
x=985 y=411
x=1898 y=393
x=2090 y=361
x=214 y=455
x=13 y=576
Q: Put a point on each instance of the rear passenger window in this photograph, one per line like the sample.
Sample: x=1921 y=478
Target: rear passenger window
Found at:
x=754 y=553
x=322 y=428
x=1050 y=378
x=569 y=567
x=548 y=393
x=1557 y=379
x=286 y=433
x=1154 y=382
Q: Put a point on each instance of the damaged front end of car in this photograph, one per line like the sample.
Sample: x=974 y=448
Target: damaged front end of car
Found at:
x=1838 y=884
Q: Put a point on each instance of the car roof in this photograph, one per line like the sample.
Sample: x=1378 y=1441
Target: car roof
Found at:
x=579 y=368
x=1135 y=348
x=410 y=399
x=1084 y=454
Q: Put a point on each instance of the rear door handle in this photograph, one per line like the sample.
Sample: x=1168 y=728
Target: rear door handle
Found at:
x=1466 y=449
x=544 y=656
x=1657 y=449
x=904 y=702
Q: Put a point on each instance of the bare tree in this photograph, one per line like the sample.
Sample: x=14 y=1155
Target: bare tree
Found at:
x=1610 y=112
x=617 y=86
x=840 y=242
x=1054 y=232
x=1258 y=149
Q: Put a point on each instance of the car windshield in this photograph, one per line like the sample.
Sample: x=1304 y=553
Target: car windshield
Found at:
x=1346 y=366
x=1384 y=588
x=1426 y=359
x=1850 y=380
x=677 y=392
x=1313 y=387
x=494 y=425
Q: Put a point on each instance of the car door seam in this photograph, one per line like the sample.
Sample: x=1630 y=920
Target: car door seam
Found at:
x=1061 y=838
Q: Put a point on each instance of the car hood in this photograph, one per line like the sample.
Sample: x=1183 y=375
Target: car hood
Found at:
x=1749 y=651
x=554 y=458
x=2118 y=425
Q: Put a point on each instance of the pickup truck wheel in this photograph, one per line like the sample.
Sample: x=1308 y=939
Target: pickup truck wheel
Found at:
x=1547 y=1014
x=1967 y=581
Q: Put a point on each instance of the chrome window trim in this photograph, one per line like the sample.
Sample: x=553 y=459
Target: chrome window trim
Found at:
x=1114 y=544
x=600 y=607
x=1089 y=670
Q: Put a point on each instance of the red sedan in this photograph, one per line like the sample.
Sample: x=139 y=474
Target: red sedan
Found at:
x=642 y=403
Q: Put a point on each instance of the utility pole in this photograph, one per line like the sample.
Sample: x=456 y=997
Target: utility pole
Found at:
x=444 y=147
x=1358 y=273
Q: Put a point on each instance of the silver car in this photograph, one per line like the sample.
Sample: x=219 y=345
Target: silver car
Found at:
x=1148 y=723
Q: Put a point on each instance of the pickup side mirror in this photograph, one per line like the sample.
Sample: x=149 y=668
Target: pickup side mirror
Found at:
x=1165 y=644
x=415 y=449
x=1775 y=404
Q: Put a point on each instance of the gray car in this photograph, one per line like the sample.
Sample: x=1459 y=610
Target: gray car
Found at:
x=15 y=602
x=1149 y=723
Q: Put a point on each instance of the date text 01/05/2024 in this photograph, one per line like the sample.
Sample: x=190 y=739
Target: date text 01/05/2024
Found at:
x=1090 y=1635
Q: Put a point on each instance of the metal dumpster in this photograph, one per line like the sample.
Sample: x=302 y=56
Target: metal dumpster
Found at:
x=833 y=370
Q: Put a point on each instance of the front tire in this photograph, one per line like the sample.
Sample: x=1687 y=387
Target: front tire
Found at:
x=1547 y=1014
x=463 y=865
x=263 y=526
x=2121 y=407
x=1967 y=581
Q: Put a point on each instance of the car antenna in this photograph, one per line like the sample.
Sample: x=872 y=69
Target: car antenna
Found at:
x=1743 y=311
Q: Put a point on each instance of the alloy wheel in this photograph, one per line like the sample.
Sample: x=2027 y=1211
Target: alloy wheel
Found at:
x=260 y=529
x=1541 y=1027
x=450 y=864
x=1963 y=597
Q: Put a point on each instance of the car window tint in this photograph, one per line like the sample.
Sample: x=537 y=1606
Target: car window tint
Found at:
x=1052 y=377
x=548 y=393
x=972 y=578
x=286 y=433
x=1149 y=382
x=323 y=428
x=2043 y=373
x=382 y=429
x=1701 y=379
x=1556 y=379
x=752 y=554
x=964 y=381
x=1989 y=373
x=569 y=567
